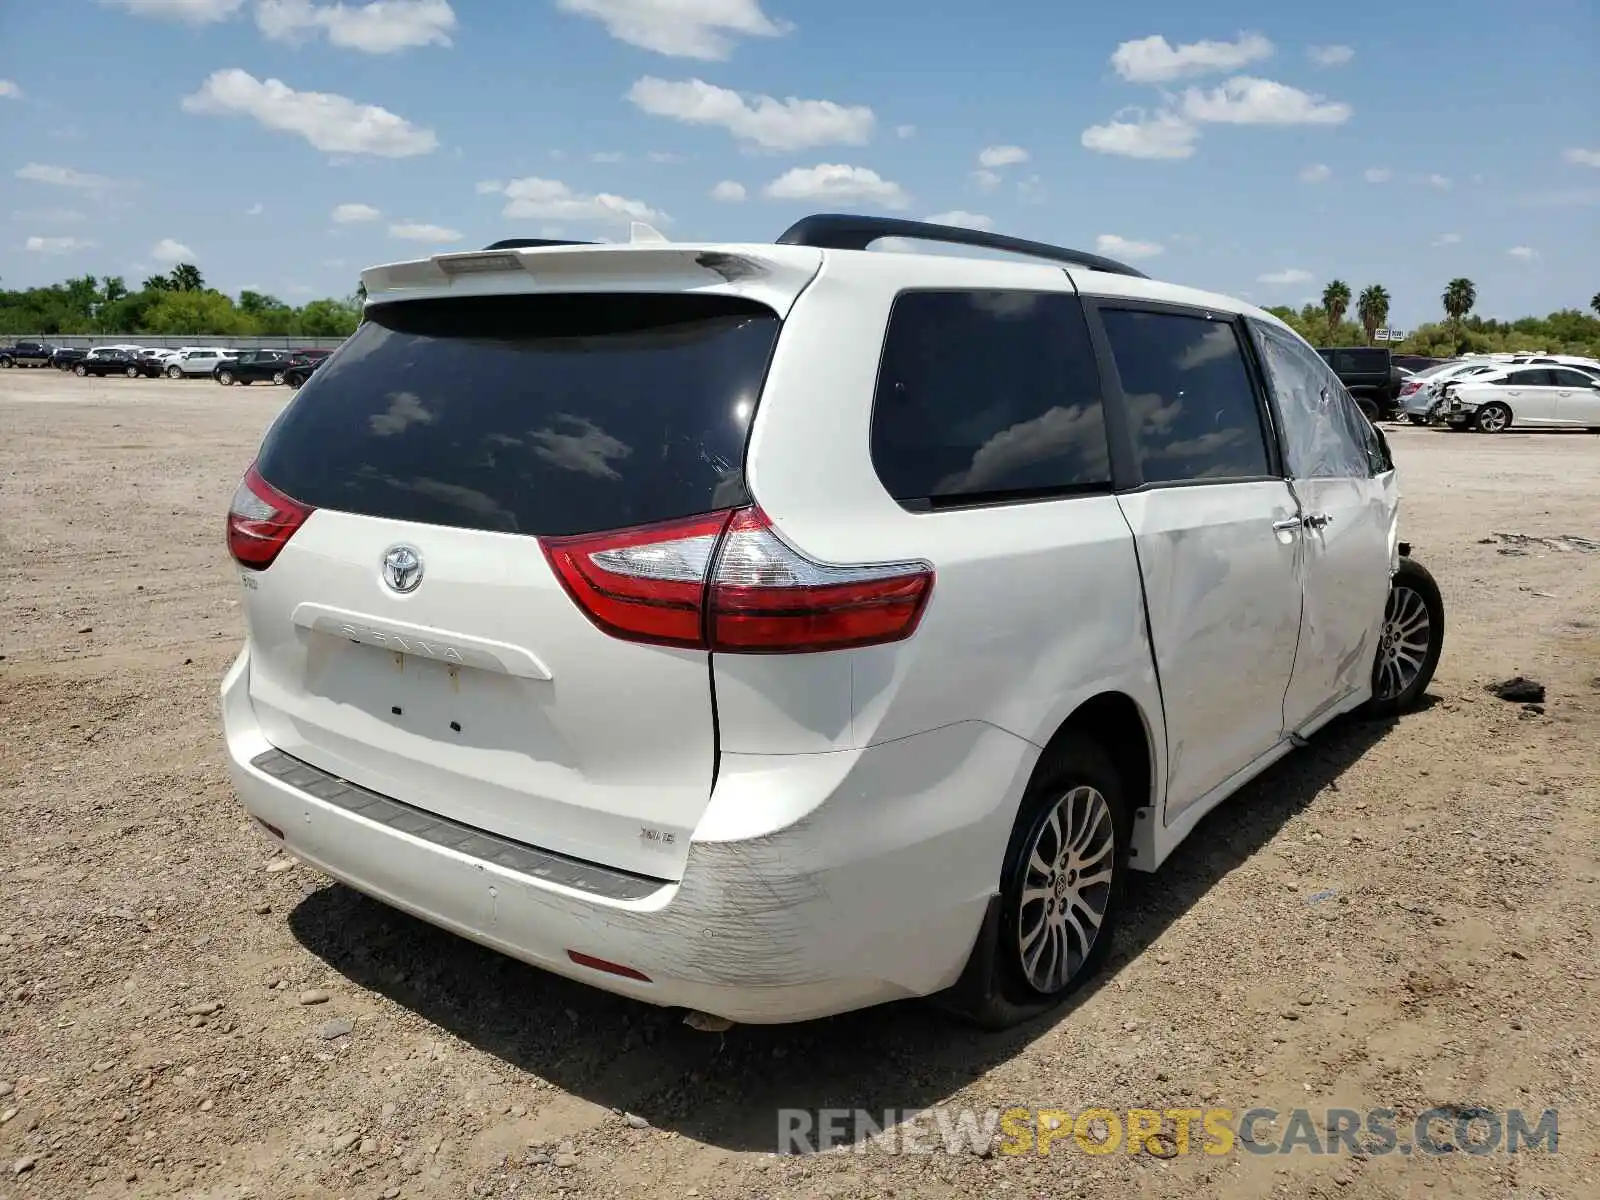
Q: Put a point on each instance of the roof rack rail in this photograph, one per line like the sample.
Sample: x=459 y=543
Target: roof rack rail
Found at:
x=532 y=243
x=843 y=231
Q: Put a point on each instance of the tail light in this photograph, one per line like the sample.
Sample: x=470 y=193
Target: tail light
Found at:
x=261 y=520
x=728 y=582
x=1407 y=388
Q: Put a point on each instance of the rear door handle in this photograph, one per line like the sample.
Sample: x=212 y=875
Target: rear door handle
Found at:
x=1318 y=519
x=1288 y=525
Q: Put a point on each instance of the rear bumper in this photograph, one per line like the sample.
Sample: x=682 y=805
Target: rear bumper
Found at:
x=874 y=893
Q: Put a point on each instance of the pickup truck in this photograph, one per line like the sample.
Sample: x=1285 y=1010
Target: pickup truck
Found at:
x=26 y=354
x=1369 y=375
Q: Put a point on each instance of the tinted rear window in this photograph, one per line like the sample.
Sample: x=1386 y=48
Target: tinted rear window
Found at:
x=1357 y=361
x=530 y=414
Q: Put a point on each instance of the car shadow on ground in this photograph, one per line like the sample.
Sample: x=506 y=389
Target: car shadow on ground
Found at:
x=726 y=1089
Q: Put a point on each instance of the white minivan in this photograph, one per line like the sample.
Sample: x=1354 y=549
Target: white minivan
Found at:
x=773 y=630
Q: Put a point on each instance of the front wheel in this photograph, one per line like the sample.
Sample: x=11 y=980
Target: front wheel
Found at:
x=225 y=378
x=174 y=373
x=1494 y=417
x=132 y=372
x=277 y=377
x=80 y=370
x=1412 y=639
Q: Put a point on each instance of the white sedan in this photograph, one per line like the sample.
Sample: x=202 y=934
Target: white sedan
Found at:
x=1529 y=397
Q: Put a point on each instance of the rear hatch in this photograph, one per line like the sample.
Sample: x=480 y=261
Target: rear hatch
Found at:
x=412 y=636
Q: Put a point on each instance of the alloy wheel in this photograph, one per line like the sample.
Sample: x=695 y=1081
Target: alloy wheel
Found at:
x=1067 y=889
x=1407 y=628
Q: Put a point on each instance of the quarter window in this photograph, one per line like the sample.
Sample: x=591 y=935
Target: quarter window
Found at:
x=1191 y=406
x=988 y=395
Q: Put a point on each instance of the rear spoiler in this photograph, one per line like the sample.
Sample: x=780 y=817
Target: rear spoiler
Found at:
x=774 y=275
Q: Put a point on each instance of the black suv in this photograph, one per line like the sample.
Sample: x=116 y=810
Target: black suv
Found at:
x=1369 y=374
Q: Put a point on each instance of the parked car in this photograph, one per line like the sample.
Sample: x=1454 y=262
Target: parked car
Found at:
x=302 y=367
x=1416 y=362
x=192 y=361
x=252 y=366
x=785 y=629
x=1420 y=395
x=26 y=354
x=107 y=361
x=1532 y=397
x=1370 y=376
x=63 y=358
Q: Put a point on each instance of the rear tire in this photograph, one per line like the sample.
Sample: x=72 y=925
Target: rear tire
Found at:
x=132 y=372
x=80 y=370
x=277 y=377
x=1061 y=887
x=1368 y=409
x=1411 y=642
x=174 y=373
x=225 y=378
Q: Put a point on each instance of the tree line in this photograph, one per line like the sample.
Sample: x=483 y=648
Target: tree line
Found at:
x=175 y=303
x=1566 y=331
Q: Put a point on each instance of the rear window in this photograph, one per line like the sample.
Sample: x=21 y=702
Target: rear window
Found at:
x=1349 y=362
x=530 y=414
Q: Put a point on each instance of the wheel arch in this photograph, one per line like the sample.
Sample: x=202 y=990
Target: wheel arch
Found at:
x=1117 y=723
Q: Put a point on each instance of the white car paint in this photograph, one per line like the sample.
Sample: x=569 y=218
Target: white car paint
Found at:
x=197 y=360
x=1537 y=397
x=837 y=841
x=1430 y=383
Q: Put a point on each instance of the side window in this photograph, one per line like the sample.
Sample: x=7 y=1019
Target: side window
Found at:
x=1190 y=402
x=1324 y=433
x=987 y=395
x=1568 y=378
x=1528 y=378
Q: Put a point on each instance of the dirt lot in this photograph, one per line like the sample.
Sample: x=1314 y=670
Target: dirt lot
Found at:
x=1396 y=917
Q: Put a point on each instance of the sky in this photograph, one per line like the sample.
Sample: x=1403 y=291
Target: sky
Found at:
x=1254 y=149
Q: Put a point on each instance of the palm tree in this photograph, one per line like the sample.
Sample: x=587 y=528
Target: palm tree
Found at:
x=1459 y=297
x=1373 y=307
x=1335 y=302
x=157 y=283
x=186 y=277
x=1594 y=302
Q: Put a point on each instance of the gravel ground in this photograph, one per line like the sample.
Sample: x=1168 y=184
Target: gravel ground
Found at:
x=1398 y=916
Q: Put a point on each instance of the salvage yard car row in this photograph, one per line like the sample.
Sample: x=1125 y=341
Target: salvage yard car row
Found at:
x=1491 y=395
x=225 y=365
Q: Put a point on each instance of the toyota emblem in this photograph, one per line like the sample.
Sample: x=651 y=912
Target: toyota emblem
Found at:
x=402 y=569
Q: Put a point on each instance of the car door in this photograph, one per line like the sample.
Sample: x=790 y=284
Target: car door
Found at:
x=1530 y=394
x=1214 y=525
x=1577 y=398
x=1349 y=505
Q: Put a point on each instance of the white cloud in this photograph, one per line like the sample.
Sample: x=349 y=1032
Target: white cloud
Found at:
x=255 y=210
x=194 y=12
x=416 y=231
x=1582 y=157
x=490 y=187
x=1447 y=239
x=55 y=245
x=379 y=27
x=1113 y=246
x=10 y=90
x=1525 y=253
x=1155 y=60
x=1316 y=173
x=764 y=121
x=1330 y=56
x=962 y=219
x=551 y=200
x=1442 y=182
x=64 y=177
x=905 y=131
x=1244 y=100
x=1001 y=156
x=986 y=181
x=1165 y=135
x=606 y=156
x=835 y=181
x=330 y=122
x=170 y=250
x=703 y=29
x=1290 y=275
x=728 y=191
x=349 y=214
x=1377 y=174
